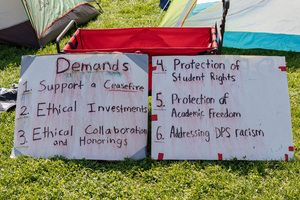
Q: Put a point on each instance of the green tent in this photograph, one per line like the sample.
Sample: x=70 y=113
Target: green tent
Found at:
x=34 y=23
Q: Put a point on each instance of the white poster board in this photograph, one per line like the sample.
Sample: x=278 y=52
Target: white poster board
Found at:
x=220 y=107
x=91 y=106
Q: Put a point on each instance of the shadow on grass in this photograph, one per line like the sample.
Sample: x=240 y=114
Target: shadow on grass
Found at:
x=243 y=168
x=11 y=55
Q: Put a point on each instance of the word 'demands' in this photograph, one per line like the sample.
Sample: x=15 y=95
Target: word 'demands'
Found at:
x=92 y=106
x=220 y=107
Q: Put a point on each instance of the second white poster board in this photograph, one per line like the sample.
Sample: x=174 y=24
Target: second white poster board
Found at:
x=220 y=107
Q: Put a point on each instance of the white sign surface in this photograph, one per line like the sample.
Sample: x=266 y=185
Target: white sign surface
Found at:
x=220 y=107
x=91 y=106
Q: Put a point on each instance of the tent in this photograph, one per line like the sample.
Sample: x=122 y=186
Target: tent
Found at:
x=266 y=24
x=34 y=23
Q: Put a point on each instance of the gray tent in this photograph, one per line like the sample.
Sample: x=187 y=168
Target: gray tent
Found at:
x=34 y=23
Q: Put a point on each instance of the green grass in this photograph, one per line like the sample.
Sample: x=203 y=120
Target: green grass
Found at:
x=59 y=178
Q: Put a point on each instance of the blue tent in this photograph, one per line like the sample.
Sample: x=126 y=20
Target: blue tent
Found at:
x=266 y=24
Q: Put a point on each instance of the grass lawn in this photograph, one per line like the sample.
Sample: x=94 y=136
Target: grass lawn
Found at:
x=59 y=178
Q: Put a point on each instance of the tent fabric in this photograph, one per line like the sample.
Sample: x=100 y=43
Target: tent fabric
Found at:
x=80 y=14
x=12 y=13
x=34 y=23
x=21 y=34
x=15 y=27
x=199 y=7
x=262 y=24
x=178 y=10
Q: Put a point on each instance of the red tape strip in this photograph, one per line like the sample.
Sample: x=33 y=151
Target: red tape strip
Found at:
x=286 y=157
x=220 y=156
x=160 y=156
x=291 y=148
x=154 y=118
x=154 y=68
x=283 y=68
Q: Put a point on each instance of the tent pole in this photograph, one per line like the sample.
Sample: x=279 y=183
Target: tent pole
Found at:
x=222 y=26
x=101 y=10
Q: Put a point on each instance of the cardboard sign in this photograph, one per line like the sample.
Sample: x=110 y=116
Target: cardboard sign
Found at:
x=220 y=107
x=91 y=106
